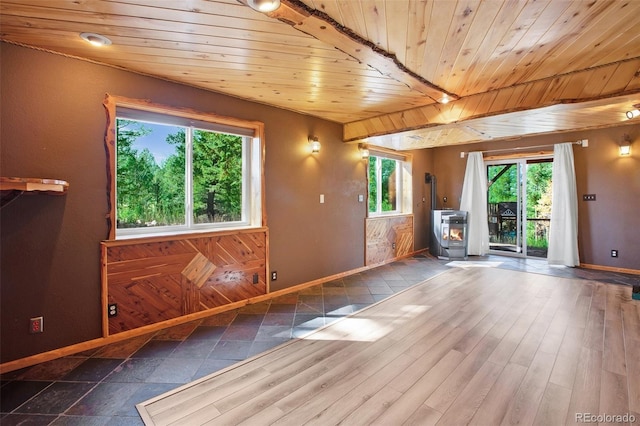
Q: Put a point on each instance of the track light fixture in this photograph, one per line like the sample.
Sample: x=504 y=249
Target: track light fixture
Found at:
x=264 y=6
x=634 y=112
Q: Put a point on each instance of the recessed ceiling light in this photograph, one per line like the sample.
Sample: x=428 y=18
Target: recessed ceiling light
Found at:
x=95 y=39
x=444 y=99
x=264 y=5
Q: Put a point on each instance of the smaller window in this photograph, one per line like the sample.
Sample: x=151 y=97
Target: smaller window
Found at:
x=389 y=184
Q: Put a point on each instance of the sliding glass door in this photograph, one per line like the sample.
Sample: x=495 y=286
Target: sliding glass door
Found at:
x=519 y=206
x=538 y=203
x=505 y=194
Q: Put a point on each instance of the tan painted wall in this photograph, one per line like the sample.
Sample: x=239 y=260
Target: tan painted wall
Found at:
x=53 y=126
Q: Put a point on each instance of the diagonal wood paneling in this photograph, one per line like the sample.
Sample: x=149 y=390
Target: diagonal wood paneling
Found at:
x=383 y=233
x=198 y=271
x=159 y=280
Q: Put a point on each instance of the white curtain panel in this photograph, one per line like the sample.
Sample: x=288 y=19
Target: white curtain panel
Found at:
x=563 y=231
x=474 y=201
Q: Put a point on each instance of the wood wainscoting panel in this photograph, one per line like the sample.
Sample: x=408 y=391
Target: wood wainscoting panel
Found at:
x=153 y=280
x=388 y=238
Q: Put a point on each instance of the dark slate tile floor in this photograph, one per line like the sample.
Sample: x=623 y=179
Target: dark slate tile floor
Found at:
x=103 y=385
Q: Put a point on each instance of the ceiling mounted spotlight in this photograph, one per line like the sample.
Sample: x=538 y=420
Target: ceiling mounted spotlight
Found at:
x=634 y=112
x=95 y=39
x=264 y=6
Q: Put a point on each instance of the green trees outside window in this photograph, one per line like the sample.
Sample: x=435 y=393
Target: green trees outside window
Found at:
x=383 y=194
x=539 y=185
x=217 y=177
x=172 y=176
x=505 y=189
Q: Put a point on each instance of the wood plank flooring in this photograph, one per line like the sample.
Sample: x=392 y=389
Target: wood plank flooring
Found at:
x=479 y=346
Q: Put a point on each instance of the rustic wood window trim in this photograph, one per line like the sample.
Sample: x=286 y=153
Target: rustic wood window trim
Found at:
x=405 y=196
x=257 y=213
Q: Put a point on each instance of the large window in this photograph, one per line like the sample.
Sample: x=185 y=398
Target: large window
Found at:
x=389 y=184
x=177 y=173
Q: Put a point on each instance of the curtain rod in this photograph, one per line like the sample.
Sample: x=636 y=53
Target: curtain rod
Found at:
x=583 y=142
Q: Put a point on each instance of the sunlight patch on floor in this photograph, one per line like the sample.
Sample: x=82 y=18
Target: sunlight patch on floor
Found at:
x=367 y=329
x=354 y=329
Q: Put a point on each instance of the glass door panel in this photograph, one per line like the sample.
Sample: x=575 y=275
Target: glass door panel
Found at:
x=505 y=212
x=538 y=214
x=519 y=206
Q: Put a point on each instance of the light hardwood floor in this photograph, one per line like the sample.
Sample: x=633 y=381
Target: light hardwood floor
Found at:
x=480 y=346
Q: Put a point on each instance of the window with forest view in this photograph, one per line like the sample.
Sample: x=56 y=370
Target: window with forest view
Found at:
x=180 y=178
x=386 y=187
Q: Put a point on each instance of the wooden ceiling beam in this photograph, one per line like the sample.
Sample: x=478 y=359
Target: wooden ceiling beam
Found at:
x=325 y=29
x=570 y=88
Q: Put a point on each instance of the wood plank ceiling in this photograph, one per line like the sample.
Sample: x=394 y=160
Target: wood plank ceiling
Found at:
x=380 y=67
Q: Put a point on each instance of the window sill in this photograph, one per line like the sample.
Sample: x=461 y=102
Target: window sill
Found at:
x=170 y=236
x=384 y=215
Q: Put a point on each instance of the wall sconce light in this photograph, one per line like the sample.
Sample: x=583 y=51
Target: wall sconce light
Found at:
x=315 y=144
x=625 y=146
x=264 y=6
x=364 y=151
x=634 y=112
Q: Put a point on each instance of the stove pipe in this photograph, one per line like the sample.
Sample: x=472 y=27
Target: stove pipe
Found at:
x=429 y=178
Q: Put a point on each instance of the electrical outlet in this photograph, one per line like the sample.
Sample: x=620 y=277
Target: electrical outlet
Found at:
x=112 y=310
x=614 y=253
x=393 y=246
x=35 y=325
x=255 y=278
x=274 y=275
